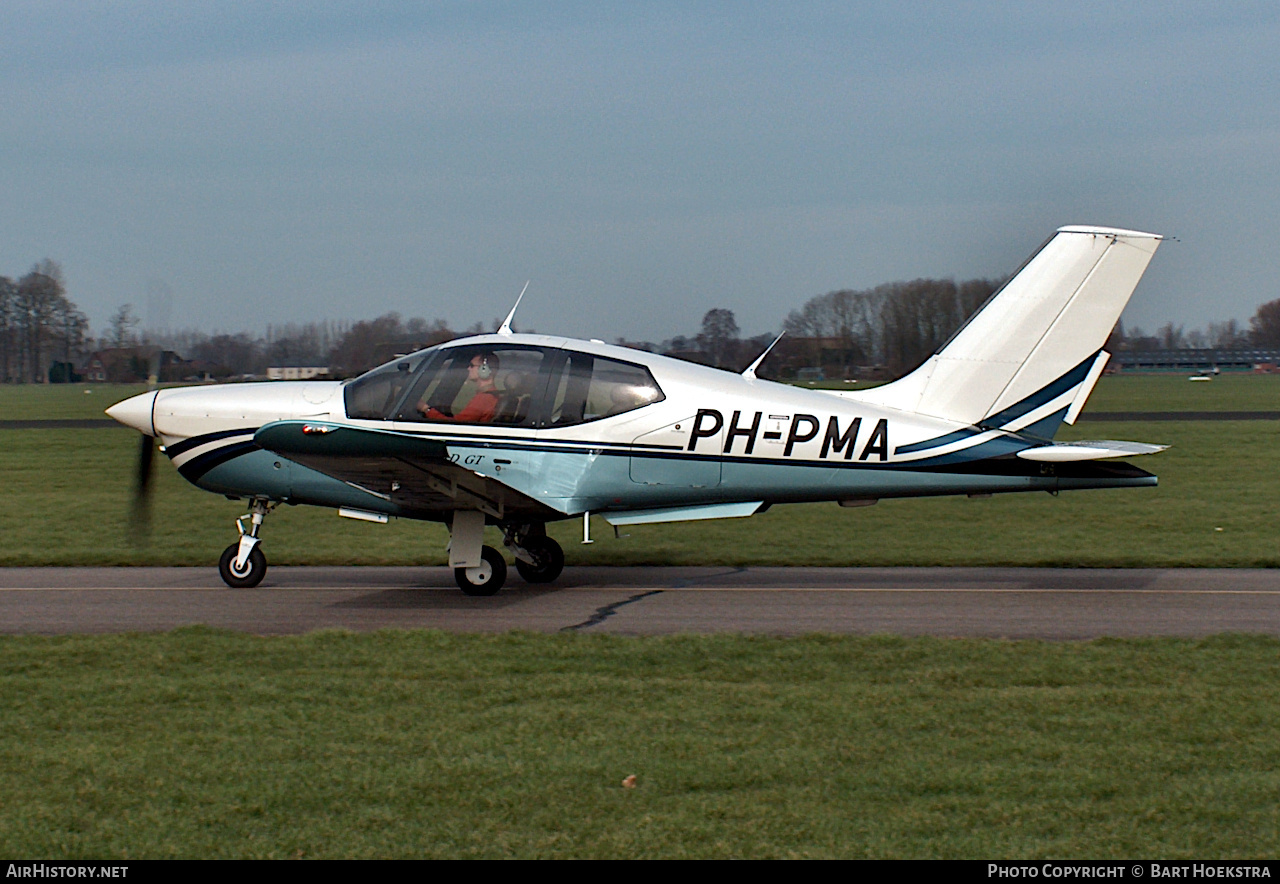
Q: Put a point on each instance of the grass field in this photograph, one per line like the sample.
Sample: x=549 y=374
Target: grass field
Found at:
x=1215 y=506
x=1173 y=392
x=419 y=744
x=200 y=744
x=61 y=401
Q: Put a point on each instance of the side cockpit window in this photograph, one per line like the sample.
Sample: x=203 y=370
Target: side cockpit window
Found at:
x=477 y=385
x=588 y=388
x=503 y=386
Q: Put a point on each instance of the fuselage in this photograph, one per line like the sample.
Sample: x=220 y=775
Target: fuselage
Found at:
x=688 y=435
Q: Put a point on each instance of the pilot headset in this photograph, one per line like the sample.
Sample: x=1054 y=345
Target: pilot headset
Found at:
x=483 y=371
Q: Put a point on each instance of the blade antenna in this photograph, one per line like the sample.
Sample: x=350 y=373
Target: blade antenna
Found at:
x=505 y=328
x=750 y=372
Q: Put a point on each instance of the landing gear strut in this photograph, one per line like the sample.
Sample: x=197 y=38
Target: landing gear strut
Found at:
x=478 y=569
x=243 y=564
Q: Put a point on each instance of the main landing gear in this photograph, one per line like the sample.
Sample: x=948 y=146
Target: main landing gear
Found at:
x=539 y=559
x=481 y=570
x=243 y=564
x=485 y=578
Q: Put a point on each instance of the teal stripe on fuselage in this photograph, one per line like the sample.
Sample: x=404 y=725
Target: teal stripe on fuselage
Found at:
x=598 y=479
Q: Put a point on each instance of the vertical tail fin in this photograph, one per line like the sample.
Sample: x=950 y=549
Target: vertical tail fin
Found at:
x=1031 y=355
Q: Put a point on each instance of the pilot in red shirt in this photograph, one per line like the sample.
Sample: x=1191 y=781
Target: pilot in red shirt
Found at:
x=483 y=373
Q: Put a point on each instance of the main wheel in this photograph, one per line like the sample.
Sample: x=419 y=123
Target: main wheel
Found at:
x=485 y=579
x=255 y=567
x=548 y=560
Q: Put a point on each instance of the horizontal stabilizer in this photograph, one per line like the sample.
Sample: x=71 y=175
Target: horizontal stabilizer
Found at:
x=1092 y=450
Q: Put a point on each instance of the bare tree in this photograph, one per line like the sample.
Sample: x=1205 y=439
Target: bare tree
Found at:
x=72 y=334
x=225 y=355
x=122 y=328
x=1264 y=327
x=840 y=320
x=918 y=317
x=1227 y=335
x=371 y=342
x=40 y=302
x=897 y=324
x=719 y=337
x=1171 y=337
x=297 y=344
x=8 y=327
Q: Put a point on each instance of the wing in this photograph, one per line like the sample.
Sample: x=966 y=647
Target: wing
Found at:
x=414 y=472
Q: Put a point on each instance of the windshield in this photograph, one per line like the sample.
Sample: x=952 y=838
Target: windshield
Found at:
x=372 y=395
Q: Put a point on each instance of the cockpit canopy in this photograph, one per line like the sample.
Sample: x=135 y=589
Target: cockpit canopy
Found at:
x=512 y=385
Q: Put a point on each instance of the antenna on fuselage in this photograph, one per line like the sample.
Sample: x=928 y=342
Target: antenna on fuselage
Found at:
x=505 y=328
x=750 y=372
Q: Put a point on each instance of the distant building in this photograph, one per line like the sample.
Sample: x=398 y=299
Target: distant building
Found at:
x=1193 y=360
x=296 y=372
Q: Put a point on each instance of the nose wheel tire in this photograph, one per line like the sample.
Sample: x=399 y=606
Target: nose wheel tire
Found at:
x=485 y=579
x=255 y=567
x=548 y=560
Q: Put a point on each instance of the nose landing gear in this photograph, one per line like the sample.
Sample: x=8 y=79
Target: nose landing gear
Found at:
x=243 y=564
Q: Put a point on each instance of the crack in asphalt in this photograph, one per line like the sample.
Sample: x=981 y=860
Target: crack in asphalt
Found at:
x=604 y=613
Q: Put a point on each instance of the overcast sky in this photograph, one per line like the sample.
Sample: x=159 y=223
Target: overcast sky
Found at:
x=641 y=163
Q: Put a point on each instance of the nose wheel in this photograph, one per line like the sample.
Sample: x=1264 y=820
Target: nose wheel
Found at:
x=243 y=564
x=242 y=576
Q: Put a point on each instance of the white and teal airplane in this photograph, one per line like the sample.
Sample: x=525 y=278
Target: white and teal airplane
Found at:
x=515 y=431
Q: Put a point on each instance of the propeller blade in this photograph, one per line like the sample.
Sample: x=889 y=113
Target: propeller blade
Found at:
x=141 y=510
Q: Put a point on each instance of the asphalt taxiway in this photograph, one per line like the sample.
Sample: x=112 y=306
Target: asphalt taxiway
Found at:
x=1044 y=603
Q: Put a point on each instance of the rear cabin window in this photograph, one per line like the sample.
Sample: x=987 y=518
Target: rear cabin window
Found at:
x=588 y=388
